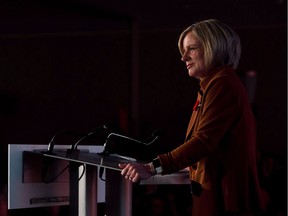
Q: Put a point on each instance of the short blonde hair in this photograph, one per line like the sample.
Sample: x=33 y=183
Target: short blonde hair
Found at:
x=221 y=44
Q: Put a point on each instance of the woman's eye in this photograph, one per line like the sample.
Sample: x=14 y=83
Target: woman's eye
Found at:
x=192 y=48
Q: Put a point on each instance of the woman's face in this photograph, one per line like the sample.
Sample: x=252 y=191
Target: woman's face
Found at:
x=193 y=56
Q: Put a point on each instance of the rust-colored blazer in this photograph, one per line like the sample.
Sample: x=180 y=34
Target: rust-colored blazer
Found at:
x=220 y=147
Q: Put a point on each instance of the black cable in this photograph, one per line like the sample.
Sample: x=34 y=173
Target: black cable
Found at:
x=44 y=172
x=45 y=169
x=84 y=170
x=101 y=172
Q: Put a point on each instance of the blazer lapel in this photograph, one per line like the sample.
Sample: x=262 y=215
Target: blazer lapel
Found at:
x=194 y=115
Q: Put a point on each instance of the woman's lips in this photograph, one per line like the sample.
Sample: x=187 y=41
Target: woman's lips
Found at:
x=188 y=66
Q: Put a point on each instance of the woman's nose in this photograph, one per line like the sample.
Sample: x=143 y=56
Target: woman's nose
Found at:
x=184 y=57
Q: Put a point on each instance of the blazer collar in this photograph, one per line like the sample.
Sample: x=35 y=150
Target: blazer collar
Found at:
x=218 y=70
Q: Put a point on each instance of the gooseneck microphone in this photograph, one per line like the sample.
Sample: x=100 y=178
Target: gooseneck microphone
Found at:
x=121 y=137
x=51 y=143
x=155 y=135
x=127 y=146
x=149 y=141
x=95 y=131
x=81 y=135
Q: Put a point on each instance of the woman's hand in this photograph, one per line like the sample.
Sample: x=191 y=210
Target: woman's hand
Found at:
x=135 y=171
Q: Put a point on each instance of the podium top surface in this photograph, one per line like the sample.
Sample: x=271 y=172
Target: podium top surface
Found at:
x=91 y=158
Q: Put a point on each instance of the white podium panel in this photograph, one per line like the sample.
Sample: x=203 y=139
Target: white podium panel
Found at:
x=26 y=191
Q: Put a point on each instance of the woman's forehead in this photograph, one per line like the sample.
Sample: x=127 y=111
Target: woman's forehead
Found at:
x=191 y=39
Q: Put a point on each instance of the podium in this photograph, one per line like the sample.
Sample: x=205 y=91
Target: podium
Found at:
x=118 y=190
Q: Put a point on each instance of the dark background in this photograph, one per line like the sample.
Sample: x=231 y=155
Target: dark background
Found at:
x=77 y=64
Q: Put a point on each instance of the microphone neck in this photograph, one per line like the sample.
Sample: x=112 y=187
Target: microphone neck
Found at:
x=95 y=131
